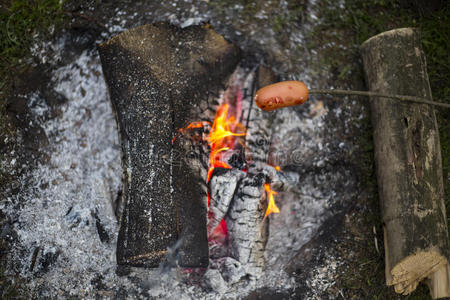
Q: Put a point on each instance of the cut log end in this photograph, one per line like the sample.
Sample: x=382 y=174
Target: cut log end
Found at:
x=413 y=269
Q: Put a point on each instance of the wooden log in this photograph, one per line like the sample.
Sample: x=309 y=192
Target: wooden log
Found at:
x=408 y=162
x=160 y=78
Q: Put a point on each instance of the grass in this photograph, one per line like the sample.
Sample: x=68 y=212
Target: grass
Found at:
x=21 y=22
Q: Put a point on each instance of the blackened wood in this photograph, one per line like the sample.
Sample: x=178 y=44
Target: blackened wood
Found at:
x=408 y=161
x=159 y=77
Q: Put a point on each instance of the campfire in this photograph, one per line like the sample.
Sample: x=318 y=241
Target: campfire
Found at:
x=205 y=170
x=210 y=148
x=220 y=195
x=231 y=171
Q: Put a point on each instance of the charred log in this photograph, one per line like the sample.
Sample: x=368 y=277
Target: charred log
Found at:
x=223 y=187
x=258 y=124
x=281 y=181
x=160 y=77
x=246 y=225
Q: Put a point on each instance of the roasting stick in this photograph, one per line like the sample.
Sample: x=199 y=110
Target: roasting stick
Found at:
x=292 y=93
x=374 y=94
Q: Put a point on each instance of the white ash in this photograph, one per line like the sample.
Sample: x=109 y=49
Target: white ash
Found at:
x=295 y=142
x=214 y=281
x=231 y=269
x=82 y=177
x=323 y=278
x=45 y=51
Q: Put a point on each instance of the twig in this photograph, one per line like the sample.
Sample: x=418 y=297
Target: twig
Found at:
x=375 y=94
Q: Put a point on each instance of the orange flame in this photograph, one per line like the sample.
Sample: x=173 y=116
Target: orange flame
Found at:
x=271 y=207
x=199 y=124
x=219 y=138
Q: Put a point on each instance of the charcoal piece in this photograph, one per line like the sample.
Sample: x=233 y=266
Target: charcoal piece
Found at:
x=160 y=78
x=48 y=259
x=34 y=257
x=247 y=227
x=222 y=188
x=102 y=233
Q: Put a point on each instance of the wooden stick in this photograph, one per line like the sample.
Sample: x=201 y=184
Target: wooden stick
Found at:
x=375 y=94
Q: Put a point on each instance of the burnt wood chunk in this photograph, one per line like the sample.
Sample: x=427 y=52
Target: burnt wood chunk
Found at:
x=408 y=161
x=223 y=187
x=159 y=78
x=246 y=225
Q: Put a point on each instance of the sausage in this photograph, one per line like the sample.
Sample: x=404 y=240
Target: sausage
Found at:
x=281 y=94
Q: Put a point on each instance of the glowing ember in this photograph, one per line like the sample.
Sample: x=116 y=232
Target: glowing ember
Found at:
x=271 y=207
x=222 y=229
x=192 y=125
x=197 y=124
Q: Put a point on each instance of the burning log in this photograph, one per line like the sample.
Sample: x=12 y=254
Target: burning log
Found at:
x=408 y=159
x=247 y=225
x=160 y=77
x=223 y=187
x=247 y=230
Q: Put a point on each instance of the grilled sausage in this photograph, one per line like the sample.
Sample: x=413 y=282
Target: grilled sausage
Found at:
x=281 y=94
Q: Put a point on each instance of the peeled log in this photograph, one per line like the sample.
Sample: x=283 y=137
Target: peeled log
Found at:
x=408 y=161
x=160 y=78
